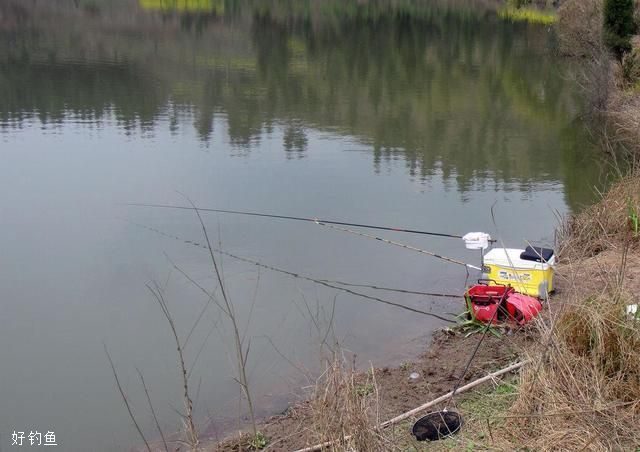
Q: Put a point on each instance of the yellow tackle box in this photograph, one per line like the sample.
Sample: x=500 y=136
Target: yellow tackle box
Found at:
x=505 y=266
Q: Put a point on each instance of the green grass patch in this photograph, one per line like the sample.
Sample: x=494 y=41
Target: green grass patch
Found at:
x=258 y=442
x=534 y=16
x=483 y=413
x=364 y=389
x=191 y=6
x=406 y=365
x=633 y=218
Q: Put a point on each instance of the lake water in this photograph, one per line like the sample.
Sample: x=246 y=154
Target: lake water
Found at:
x=424 y=115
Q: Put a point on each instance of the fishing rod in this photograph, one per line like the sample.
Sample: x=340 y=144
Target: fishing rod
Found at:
x=326 y=283
x=402 y=245
x=287 y=217
x=330 y=281
x=335 y=225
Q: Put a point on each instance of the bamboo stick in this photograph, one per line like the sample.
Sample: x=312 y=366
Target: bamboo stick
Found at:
x=427 y=405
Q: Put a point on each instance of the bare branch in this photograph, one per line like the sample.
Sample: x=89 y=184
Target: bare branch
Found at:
x=153 y=411
x=124 y=399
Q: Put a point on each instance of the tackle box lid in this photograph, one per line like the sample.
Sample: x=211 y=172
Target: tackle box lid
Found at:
x=510 y=257
x=538 y=254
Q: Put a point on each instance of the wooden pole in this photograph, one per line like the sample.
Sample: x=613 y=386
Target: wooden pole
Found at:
x=427 y=405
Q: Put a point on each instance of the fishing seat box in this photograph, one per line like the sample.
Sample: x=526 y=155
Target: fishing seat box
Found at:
x=505 y=266
x=486 y=299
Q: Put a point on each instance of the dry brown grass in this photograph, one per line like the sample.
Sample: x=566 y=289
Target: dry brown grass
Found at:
x=624 y=116
x=623 y=109
x=579 y=26
x=623 y=103
x=604 y=225
x=582 y=392
x=345 y=405
x=582 y=389
x=612 y=88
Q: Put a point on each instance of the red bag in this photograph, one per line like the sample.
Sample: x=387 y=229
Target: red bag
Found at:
x=522 y=308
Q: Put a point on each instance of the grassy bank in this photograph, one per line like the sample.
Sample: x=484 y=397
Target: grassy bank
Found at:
x=611 y=82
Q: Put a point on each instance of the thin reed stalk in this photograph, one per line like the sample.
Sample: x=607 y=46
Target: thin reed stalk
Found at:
x=125 y=400
x=241 y=345
x=153 y=411
x=191 y=431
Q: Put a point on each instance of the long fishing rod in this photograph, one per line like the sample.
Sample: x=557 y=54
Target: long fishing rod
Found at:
x=402 y=245
x=334 y=225
x=329 y=281
x=287 y=217
x=326 y=283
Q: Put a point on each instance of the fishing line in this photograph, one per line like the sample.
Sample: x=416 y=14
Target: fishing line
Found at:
x=389 y=289
x=325 y=283
x=287 y=217
x=441 y=424
x=475 y=351
x=402 y=245
x=329 y=281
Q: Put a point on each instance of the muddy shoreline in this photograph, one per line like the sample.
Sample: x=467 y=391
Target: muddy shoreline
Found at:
x=438 y=367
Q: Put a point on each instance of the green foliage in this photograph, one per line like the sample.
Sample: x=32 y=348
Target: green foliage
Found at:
x=633 y=218
x=471 y=325
x=530 y=15
x=619 y=25
x=474 y=326
x=525 y=11
x=471 y=446
x=484 y=411
x=505 y=388
x=258 y=442
x=630 y=66
x=467 y=301
x=363 y=390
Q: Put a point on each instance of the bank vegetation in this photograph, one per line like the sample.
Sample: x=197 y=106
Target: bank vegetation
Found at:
x=610 y=64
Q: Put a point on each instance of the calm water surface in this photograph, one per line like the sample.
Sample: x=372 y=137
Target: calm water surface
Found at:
x=423 y=115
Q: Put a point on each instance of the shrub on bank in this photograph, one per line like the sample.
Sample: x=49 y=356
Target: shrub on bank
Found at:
x=580 y=27
x=581 y=390
x=604 y=225
x=619 y=25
